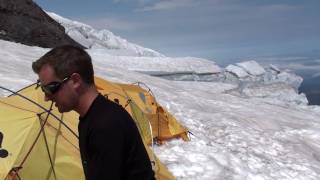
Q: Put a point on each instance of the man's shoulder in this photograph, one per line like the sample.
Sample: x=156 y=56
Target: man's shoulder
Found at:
x=108 y=110
x=103 y=102
x=109 y=105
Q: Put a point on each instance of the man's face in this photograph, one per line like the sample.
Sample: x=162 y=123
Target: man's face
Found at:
x=65 y=97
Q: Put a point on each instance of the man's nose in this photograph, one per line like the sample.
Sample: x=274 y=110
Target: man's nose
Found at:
x=47 y=97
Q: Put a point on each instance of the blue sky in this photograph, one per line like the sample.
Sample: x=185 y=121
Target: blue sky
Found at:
x=220 y=30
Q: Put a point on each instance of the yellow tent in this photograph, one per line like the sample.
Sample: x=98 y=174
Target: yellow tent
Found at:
x=38 y=142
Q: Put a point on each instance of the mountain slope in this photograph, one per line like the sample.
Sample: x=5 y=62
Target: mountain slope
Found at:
x=24 y=21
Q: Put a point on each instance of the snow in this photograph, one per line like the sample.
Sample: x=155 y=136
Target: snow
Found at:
x=238 y=71
x=245 y=130
x=294 y=80
x=274 y=68
x=157 y=64
x=91 y=38
x=275 y=93
x=252 y=67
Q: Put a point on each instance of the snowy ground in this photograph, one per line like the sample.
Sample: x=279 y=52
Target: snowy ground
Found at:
x=234 y=137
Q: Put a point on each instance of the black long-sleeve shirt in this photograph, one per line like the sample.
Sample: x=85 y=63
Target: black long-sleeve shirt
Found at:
x=110 y=144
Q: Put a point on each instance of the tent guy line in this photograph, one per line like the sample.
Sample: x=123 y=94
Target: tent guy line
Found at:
x=43 y=108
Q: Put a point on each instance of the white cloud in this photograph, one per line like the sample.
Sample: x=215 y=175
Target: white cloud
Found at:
x=299 y=66
x=286 y=59
x=276 y=8
x=113 y=24
x=292 y=63
x=316 y=75
x=134 y=1
x=168 y=4
x=118 y=1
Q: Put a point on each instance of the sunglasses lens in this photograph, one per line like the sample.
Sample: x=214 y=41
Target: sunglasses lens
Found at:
x=51 y=88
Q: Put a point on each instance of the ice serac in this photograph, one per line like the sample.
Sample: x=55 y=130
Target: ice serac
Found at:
x=290 y=78
x=252 y=67
x=269 y=84
x=237 y=71
x=92 y=38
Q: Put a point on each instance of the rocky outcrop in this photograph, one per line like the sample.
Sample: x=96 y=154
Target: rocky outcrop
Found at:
x=25 y=22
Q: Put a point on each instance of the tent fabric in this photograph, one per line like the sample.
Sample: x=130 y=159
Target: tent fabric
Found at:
x=42 y=143
x=145 y=110
x=39 y=146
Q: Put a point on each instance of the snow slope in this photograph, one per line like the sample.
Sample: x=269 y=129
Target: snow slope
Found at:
x=233 y=137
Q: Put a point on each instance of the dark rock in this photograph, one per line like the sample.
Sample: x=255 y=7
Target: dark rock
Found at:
x=25 y=22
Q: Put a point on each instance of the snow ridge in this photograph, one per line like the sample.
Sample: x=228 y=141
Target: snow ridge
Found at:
x=91 y=38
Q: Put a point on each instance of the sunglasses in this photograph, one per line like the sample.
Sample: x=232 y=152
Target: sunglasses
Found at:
x=52 y=87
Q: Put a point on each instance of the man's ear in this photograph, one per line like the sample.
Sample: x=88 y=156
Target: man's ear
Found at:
x=76 y=80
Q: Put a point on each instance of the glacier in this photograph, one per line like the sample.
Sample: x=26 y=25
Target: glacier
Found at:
x=247 y=121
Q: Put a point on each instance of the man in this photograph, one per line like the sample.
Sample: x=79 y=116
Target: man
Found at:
x=109 y=141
